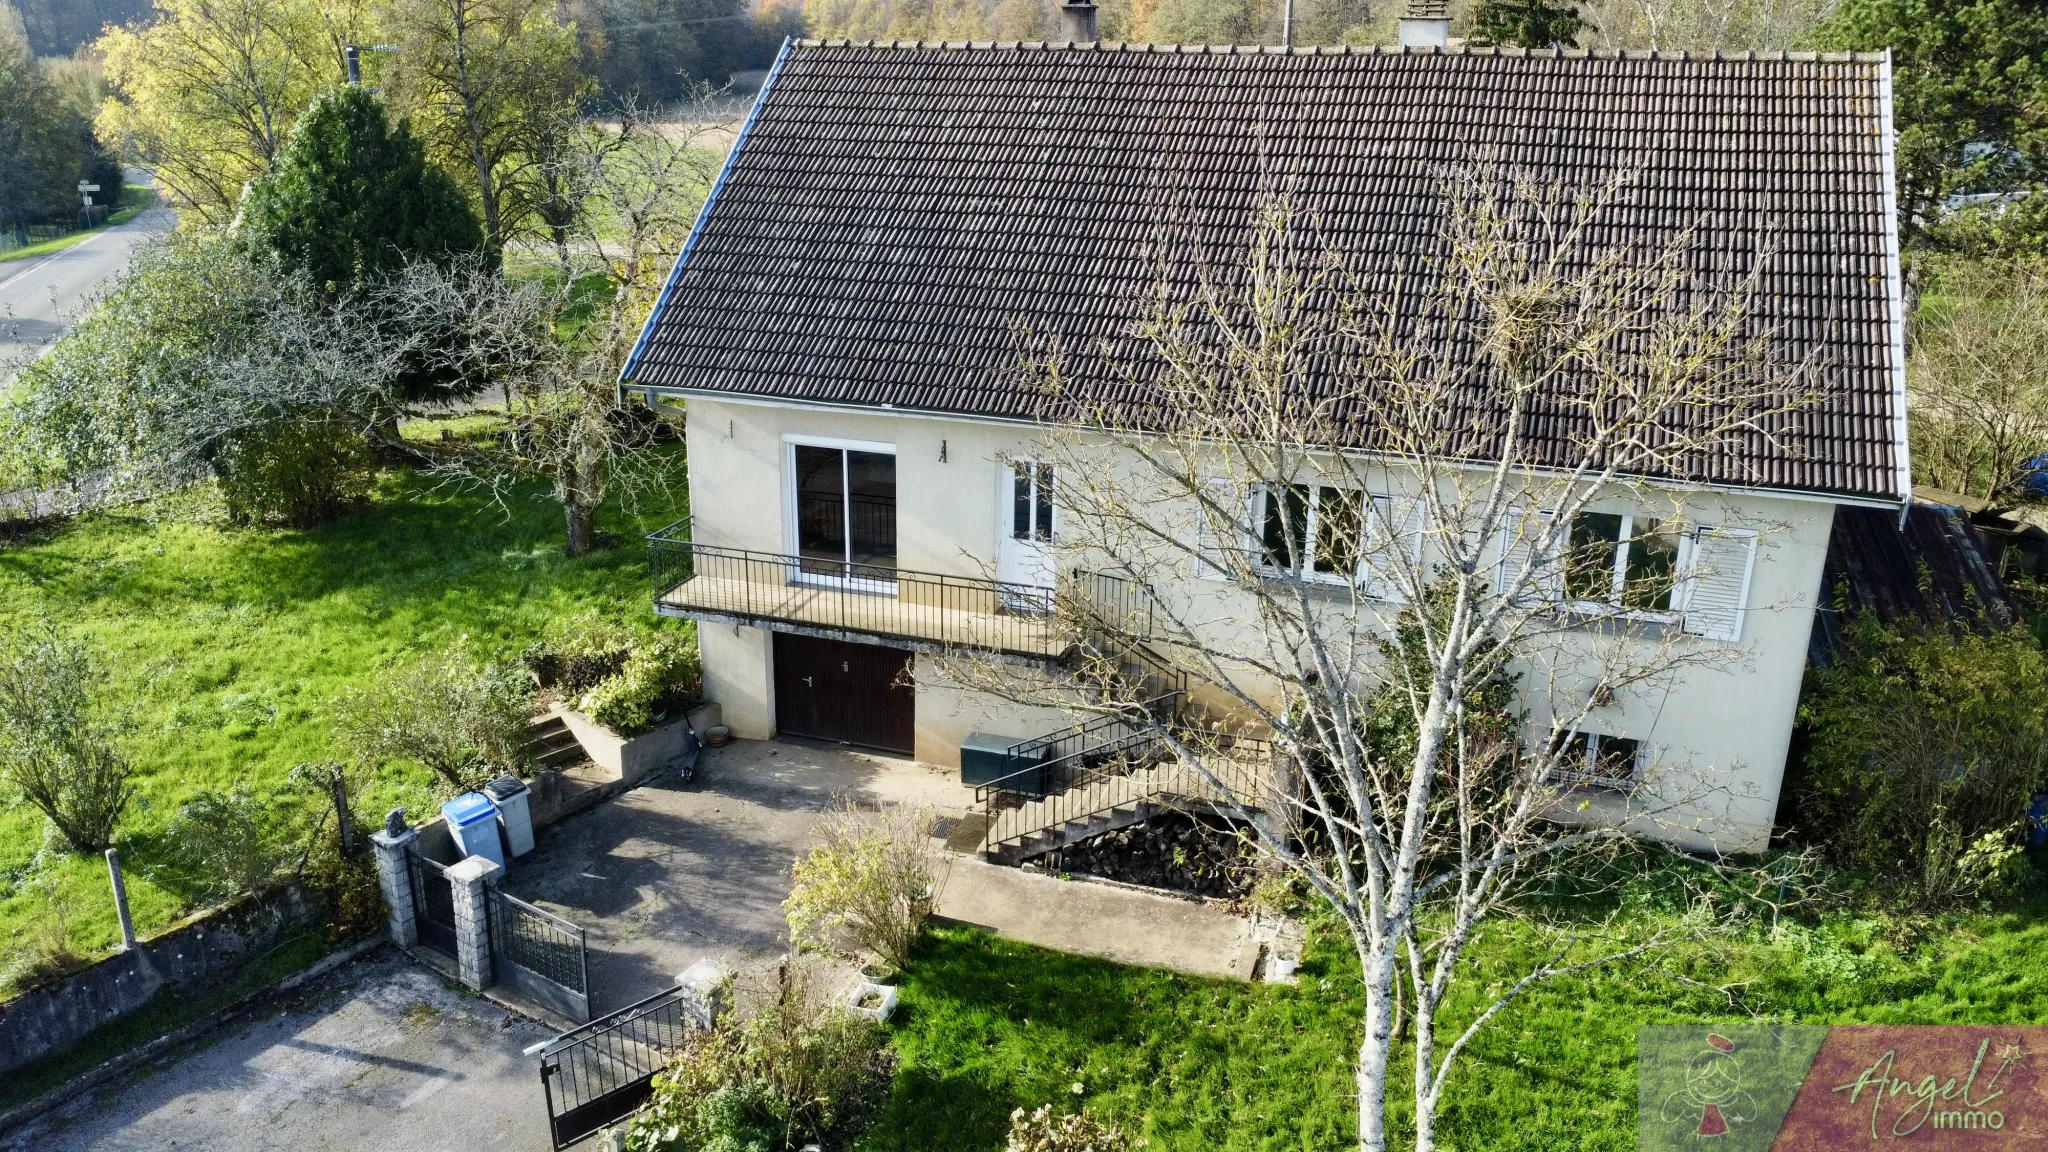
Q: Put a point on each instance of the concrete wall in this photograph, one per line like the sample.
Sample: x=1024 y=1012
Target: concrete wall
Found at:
x=1718 y=722
x=200 y=954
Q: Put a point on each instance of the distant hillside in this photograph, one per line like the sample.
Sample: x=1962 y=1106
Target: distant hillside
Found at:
x=58 y=27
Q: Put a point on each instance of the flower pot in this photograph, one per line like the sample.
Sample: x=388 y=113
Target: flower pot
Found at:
x=717 y=736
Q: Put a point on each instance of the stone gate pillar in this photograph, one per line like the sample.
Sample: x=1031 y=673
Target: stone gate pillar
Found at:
x=393 y=876
x=468 y=878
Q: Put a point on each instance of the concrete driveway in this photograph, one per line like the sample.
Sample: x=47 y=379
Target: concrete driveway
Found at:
x=383 y=1054
x=668 y=874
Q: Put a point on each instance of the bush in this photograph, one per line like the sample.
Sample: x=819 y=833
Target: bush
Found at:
x=466 y=720
x=296 y=474
x=58 y=746
x=869 y=881
x=800 y=1070
x=580 y=653
x=228 y=843
x=665 y=665
x=1924 y=747
x=1041 y=1131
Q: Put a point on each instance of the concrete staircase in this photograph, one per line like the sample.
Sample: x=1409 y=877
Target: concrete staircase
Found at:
x=552 y=745
x=1113 y=796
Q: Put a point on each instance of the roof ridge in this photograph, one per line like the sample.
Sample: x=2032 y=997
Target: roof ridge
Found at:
x=1777 y=56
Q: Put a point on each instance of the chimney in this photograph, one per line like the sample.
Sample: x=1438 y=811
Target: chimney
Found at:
x=1077 y=17
x=1426 y=24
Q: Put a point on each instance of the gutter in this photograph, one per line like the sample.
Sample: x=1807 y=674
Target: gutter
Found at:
x=1895 y=294
x=703 y=214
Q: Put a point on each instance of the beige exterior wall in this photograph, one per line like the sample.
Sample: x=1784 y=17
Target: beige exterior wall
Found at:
x=1717 y=727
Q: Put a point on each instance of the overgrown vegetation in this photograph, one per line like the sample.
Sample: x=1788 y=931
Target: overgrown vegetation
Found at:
x=1925 y=745
x=793 y=1070
x=867 y=885
x=462 y=716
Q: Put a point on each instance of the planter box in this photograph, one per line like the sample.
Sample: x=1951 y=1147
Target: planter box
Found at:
x=883 y=997
x=628 y=759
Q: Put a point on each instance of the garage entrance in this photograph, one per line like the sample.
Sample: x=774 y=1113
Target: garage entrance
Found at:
x=856 y=693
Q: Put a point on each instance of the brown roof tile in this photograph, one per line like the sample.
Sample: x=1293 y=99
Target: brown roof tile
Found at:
x=892 y=214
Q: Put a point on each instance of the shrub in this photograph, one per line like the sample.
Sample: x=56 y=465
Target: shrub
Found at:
x=624 y=702
x=298 y=474
x=580 y=653
x=228 y=843
x=464 y=719
x=869 y=881
x=1041 y=1131
x=1923 y=749
x=799 y=1070
x=58 y=745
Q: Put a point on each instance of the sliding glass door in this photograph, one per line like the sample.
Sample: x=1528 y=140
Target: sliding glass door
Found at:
x=845 y=514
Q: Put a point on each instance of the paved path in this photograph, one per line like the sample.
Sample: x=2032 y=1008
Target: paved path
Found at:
x=39 y=297
x=351 y=1064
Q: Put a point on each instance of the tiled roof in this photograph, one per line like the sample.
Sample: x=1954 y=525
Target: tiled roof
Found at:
x=894 y=215
x=1932 y=570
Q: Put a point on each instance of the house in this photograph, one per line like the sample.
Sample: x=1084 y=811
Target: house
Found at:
x=842 y=331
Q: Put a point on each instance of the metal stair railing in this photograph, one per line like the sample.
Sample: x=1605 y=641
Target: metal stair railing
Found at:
x=1138 y=768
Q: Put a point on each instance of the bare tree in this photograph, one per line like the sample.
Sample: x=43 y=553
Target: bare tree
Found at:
x=640 y=186
x=1369 y=526
x=1980 y=378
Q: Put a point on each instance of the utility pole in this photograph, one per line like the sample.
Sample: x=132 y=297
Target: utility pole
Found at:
x=352 y=59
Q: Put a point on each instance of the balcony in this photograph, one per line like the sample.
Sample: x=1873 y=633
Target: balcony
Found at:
x=833 y=595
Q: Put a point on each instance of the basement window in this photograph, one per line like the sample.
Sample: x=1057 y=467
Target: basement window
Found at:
x=1592 y=760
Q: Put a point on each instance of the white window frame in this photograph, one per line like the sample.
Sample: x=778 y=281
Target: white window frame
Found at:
x=1009 y=515
x=1614 y=607
x=791 y=441
x=1377 y=510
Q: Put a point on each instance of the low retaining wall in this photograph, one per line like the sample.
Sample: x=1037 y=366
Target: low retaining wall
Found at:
x=202 y=952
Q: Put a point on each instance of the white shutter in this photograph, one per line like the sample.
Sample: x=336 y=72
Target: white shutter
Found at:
x=1516 y=541
x=1716 y=582
x=1379 y=563
x=1209 y=557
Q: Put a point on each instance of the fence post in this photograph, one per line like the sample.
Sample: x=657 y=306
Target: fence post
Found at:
x=472 y=920
x=394 y=875
x=121 y=901
x=337 y=783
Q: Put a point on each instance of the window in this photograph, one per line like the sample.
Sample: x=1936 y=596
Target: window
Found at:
x=1312 y=531
x=1589 y=759
x=1031 y=501
x=1622 y=560
x=845 y=512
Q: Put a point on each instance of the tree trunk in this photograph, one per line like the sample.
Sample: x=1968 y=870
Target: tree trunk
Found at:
x=1375 y=1054
x=582 y=530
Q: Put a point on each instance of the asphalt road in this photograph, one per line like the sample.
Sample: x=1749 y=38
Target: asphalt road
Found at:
x=39 y=297
x=382 y=1055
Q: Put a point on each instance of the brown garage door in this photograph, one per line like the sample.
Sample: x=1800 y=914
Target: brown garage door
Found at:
x=832 y=690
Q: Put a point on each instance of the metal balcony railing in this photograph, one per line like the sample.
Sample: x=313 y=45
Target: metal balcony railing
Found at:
x=885 y=601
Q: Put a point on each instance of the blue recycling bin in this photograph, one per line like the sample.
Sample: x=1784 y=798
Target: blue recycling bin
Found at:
x=473 y=821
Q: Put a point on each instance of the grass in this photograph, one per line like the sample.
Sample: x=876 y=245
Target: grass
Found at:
x=989 y=1025
x=134 y=198
x=233 y=644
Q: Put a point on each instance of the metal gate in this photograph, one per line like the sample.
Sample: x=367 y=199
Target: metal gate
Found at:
x=604 y=1070
x=541 y=955
x=433 y=903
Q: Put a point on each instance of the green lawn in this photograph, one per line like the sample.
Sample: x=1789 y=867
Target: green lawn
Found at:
x=134 y=198
x=237 y=640
x=988 y=1025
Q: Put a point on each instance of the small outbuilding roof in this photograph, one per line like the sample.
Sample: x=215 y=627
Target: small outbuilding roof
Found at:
x=894 y=215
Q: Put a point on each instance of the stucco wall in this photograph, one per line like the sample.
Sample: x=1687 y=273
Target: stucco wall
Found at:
x=1717 y=724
